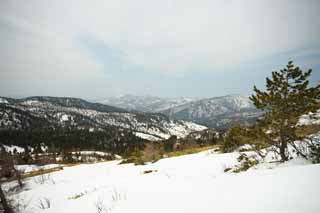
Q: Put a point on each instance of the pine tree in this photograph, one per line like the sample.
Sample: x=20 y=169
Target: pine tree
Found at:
x=287 y=97
x=232 y=138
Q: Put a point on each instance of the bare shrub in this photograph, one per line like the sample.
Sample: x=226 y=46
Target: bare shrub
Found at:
x=44 y=203
x=116 y=196
x=20 y=204
x=44 y=178
x=76 y=196
x=101 y=206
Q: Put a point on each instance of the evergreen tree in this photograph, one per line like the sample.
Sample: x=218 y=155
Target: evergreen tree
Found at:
x=287 y=96
x=234 y=137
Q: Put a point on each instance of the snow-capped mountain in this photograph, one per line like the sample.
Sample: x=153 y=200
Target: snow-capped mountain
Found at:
x=146 y=103
x=205 y=108
x=217 y=112
x=39 y=112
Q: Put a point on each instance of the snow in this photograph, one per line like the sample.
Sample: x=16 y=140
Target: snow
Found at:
x=309 y=119
x=157 y=104
x=64 y=117
x=244 y=147
x=30 y=102
x=188 y=184
x=12 y=148
x=178 y=128
x=147 y=136
x=92 y=153
x=3 y=101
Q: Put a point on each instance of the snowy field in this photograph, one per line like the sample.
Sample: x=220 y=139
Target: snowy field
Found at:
x=186 y=184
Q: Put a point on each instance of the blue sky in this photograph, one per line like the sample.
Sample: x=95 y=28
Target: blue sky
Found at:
x=199 y=82
x=204 y=48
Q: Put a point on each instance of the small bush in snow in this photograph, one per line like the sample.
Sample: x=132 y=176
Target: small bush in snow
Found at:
x=101 y=206
x=44 y=178
x=136 y=158
x=20 y=204
x=117 y=196
x=315 y=153
x=44 y=203
x=245 y=163
x=76 y=196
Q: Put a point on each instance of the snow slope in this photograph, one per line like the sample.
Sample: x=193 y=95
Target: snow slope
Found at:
x=186 y=184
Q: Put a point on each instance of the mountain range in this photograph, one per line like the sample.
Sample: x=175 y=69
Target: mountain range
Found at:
x=146 y=103
x=149 y=117
x=55 y=112
x=216 y=112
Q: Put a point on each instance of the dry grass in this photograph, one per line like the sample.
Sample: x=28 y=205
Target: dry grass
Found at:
x=308 y=130
x=191 y=151
x=55 y=169
x=76 y=196
x=41 y=172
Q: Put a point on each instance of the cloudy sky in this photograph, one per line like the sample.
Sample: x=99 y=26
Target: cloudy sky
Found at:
x=95 y=49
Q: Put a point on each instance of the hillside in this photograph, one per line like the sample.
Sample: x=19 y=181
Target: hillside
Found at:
x=45 y=112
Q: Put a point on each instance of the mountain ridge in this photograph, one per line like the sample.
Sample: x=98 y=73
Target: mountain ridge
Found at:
x=146 y=103
x=56 y=112
x=217 y=112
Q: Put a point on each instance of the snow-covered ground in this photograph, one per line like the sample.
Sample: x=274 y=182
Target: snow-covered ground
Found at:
x=310 y=119
x=186 y=184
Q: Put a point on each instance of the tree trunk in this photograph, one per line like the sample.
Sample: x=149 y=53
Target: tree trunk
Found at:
x=4 y=202
x=18 y=176
x=283 y=148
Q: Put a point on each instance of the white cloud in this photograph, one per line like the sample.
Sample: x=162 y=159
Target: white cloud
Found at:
x=39 y=38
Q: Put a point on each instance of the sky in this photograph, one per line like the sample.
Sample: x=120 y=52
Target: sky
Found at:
x=194 y=48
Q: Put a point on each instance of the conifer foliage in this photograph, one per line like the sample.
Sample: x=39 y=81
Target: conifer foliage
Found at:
x=287 y=97
x=233 y=138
